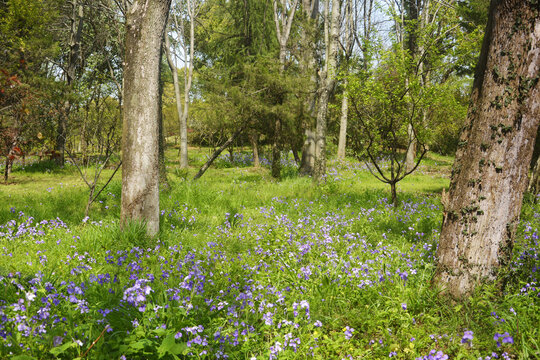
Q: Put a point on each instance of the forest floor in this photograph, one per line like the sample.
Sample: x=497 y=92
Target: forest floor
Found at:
x=245 y=267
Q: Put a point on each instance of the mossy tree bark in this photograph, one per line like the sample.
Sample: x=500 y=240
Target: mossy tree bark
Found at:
x=145 y=24
x=491 y=168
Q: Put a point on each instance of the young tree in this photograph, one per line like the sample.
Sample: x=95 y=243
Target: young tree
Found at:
x=348 y=46
x=385 y=104
x=490 y=172
x=188 y=50
x=145 y=25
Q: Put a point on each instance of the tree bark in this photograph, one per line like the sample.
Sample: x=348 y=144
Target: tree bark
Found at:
x=411 y=149
x=145 y=24
x=308 y=154
x=162 y=142
x=328 y=81
x=343 y=123
x=310 y=9
x=491 y=167
x=254 y=137
x=73 y=59
x=283 y=21
x=183 y=126
x=348 y=48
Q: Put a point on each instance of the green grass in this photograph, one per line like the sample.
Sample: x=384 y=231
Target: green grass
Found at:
x=340 y=247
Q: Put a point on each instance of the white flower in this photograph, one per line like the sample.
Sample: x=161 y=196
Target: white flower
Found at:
x=30 y=296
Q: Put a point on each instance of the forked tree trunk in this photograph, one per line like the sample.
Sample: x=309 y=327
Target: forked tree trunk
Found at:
x=145 y=24
x=491 y=167
x=283 y=18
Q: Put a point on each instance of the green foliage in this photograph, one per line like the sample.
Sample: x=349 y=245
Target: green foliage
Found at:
x=234 y=233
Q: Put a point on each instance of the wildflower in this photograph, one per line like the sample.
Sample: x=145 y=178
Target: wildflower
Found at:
x=30 y=296
x=506 y=338
x=467 y=337
x=348 y=332
x=404 y=306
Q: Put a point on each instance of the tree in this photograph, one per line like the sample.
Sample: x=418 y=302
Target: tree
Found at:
x=328 y=78
x=348 y=46
x=191 y=9
x=283 y=18
x=489 y=175
x=385 y=104
x=145 y=26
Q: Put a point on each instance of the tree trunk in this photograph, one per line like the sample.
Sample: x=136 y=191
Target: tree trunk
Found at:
x=411 y=149
x=491 y=167
x=216 y=154
x=393 y=189
x=73 y=60
x=283 y=24
x=183 y=125
x=343 y=123
x=276 y=151
x=255 y=144
x=308 y=154
x=534 y=183
x=6 y=170
x=309 y=65
x=328 y=81
x=295 y=154
x=161 y=136
x=188 y=77
x=145 y=24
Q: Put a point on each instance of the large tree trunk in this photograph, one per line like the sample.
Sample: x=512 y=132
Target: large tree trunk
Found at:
x=145 y=24
x=491 y=167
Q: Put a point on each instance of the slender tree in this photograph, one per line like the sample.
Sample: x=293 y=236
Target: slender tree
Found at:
x=348 y=45
x=332 y=18
x=283 y=18
x=145 y=25
x=490 y=172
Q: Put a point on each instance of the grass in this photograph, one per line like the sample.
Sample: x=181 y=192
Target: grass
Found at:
x=247 y=267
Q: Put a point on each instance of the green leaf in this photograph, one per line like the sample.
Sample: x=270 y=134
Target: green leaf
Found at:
x=139 y=345
x=169 y=346
x=23 y=357
x=61 y=349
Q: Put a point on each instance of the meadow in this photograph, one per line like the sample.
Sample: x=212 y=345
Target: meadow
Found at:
x=245 y=267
